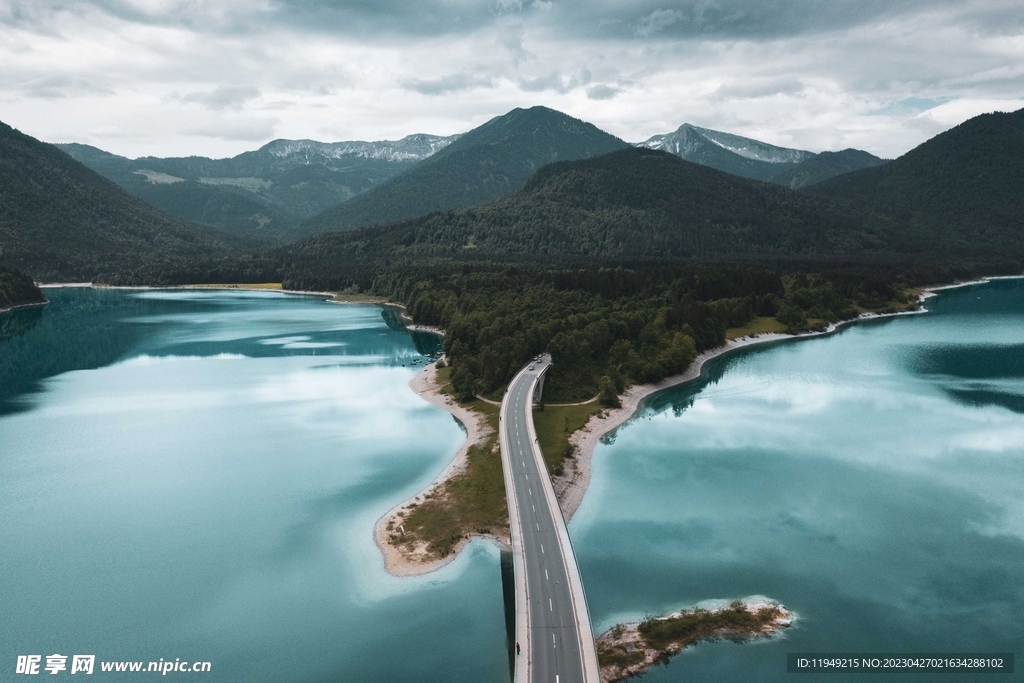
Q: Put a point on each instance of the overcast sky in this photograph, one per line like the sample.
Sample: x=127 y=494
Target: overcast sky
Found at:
x=218 y=77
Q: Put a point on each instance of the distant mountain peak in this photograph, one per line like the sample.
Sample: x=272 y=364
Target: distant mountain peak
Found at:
x=688 y=138
x=410 y=148
x=492 y=159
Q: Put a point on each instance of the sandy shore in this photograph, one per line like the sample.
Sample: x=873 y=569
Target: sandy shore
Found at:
x=400 y=561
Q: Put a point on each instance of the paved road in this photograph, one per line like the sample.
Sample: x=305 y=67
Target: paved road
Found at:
x=557 y=623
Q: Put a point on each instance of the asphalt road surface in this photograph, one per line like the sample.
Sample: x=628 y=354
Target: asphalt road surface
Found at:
x=554 y=637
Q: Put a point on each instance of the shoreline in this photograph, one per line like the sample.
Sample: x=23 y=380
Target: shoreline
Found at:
x=397 y=561
x=571 y=487
x=17 y=306
x=628 y=653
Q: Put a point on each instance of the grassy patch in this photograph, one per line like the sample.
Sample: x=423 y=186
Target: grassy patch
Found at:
x=555 y=424
x=617 y=655
x=759 y=325
x=470 y=503
x=567 y=384
x=350 y=298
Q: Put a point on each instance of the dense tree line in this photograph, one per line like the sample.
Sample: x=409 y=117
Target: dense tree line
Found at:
x=607 y=328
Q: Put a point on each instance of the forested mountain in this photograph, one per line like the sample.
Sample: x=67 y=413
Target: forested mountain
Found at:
x=633 y=204
x=826 y=165
x=61 y=221
x=964 y=187
x=485 y=163
x=17 y=289
x=726 y=152
x=757 y=160
x=261 y=193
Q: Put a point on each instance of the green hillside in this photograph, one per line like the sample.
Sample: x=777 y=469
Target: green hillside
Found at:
x=61 y=221
x=259 y=194
x=485 y=163
x=826 y=165
x=961 y=192
x=634 y=204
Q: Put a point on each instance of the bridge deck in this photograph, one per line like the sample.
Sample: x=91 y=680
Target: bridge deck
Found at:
x=552 y=620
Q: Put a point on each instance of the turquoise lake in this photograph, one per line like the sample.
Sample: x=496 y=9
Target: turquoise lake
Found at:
x=196 y=474
x=872 y=481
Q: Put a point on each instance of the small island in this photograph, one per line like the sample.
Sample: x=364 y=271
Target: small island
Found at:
x=628 y=650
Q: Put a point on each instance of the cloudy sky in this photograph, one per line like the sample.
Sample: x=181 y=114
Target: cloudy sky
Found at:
x=218 y=77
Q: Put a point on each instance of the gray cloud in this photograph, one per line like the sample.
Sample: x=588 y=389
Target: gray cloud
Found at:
x=555 y=82
x=222 y=97
x=444 y=85
x=602 y=91
x=61 y=86
x=571 y=19
x=795 y=72
x=656 y=22
x=749 y=89
x=243 y=129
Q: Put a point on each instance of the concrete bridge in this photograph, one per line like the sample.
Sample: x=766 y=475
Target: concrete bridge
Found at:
x=552 y=620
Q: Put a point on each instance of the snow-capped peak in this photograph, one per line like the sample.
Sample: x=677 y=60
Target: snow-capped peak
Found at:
x=410 y=148
x=688 y=138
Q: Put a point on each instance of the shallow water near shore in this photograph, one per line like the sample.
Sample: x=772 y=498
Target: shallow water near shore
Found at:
x=872 y=481
x=196 y=475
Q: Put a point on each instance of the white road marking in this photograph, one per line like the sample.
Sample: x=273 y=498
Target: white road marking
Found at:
x=551 y=605
x=533 y=506
x=546 y=577
x=538 y=527
x=542 y=548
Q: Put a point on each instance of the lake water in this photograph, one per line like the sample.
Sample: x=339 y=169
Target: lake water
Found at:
x=872 y=481
x=196 y=475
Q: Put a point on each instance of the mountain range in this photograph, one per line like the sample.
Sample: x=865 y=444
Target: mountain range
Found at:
x=295 y=188
x=757 y=160
x=954 y=198
x=260 y=194
x=485 y=163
